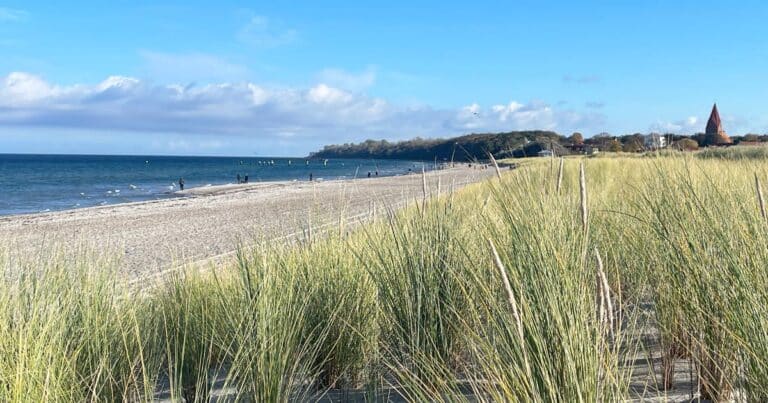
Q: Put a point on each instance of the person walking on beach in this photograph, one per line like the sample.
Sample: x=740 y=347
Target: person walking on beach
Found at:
x=310 y=176
x=369 y=174
x=181 y=183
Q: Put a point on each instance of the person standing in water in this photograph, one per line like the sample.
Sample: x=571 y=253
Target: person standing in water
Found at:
x=238 y=178
x=310 y=176
x=245 y=180
x=181 y=183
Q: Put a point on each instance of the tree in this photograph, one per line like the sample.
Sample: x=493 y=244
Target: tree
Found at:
x=633 y=144
x=464 y=148
x=751 y=137
x=614 y=146
x=576 y=138
x=687 y=145
x=700 y=138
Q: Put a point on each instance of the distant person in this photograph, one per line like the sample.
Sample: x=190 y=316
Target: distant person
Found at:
x=239 y=179
x=310 y=176
x=377 y=173
x=369 y=174
x=245 y=180
x=181 y=183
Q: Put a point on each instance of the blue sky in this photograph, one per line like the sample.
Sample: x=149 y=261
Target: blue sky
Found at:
x=284 y=78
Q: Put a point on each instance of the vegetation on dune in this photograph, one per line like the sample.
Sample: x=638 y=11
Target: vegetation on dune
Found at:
x=735 y=153
x=464 y=148
x=519 y=144
x=526 y=287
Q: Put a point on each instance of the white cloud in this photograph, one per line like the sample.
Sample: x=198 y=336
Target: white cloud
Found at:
x=323 y=94
x=535 y=115
x=350 y=81
x=10 y=14
x=22 y=88
x=262 y=32
x=259 y=96
x=504 y=111
x=322 y=113
x=689 y=125
x=118 y=83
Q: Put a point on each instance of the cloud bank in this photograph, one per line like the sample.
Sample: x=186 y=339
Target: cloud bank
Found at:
x=320 y=114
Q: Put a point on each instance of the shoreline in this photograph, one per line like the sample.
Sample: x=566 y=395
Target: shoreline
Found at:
x=54 y=183
x=149 y=236
x=205 y=190
x=212 y=190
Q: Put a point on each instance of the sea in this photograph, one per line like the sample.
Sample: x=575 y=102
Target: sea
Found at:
x=43 y=183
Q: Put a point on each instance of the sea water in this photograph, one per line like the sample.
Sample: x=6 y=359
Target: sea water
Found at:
x=41 y=183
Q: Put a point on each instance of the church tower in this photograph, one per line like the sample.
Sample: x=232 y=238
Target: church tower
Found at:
x=715 y=135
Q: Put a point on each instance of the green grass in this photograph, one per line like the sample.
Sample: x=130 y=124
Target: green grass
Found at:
x=416 y=304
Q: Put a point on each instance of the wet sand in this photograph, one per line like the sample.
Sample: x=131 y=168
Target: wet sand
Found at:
x=151 y=237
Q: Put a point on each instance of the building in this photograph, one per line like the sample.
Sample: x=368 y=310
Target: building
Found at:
x=582 y=149
x=654 y=141
x=715 y=134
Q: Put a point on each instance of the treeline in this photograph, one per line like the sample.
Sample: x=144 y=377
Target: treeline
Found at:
x=517 y=144
x=464 y=148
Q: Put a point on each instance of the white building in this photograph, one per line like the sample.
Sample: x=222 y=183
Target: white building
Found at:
x=546 y=153
x=654 y=141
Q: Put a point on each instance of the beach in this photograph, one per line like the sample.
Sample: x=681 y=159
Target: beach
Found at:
x=207 y=223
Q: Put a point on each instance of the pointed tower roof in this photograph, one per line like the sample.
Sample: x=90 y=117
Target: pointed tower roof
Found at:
x=714 y=125
x=714 y=132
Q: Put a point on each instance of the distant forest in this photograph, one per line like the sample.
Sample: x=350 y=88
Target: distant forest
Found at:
x=464 y=148
x=473 y=147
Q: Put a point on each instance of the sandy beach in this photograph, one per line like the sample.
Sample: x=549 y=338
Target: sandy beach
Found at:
x=208 y=222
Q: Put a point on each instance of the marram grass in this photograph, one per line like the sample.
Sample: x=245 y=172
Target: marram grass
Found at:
x=525 y=287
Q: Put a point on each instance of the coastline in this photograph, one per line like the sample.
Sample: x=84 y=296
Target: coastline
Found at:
x=202 y=222
x=196 y=191
x=52 y=182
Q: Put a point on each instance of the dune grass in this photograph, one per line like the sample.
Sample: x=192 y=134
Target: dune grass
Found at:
x=735 y=153
x=522 y=288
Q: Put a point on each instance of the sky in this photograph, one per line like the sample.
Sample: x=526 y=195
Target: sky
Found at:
x=285 y=78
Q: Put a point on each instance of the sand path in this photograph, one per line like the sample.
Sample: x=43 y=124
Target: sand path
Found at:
x=151 y=237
